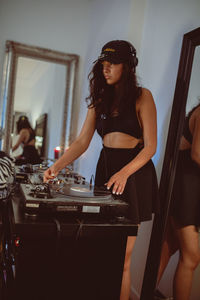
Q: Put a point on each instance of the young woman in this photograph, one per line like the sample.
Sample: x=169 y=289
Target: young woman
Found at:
x=27 y=140
x=182 y=230
x=124 y=115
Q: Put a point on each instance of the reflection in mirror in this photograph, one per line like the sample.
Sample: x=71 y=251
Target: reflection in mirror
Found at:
x=39 y=89
x=194 y=88
x=182 y=231
x=186 y=96
x=38 y=83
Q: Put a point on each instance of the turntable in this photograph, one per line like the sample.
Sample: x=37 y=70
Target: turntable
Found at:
x=71 y=199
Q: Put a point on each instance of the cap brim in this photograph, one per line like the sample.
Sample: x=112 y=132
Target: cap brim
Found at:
x=110 y=58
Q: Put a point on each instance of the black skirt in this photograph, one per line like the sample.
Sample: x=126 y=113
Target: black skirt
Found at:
x=141 y=190
x=185 y=203
x=29 y=156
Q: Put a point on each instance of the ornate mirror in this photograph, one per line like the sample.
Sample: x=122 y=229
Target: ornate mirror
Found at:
x=181 y=104
x=39 y=83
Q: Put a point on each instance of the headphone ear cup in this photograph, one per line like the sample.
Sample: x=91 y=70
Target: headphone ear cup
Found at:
x=134 y=61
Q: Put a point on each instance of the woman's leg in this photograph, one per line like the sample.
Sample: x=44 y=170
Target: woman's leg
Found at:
x=189 y=259
x=169 y=247
x=126 y=278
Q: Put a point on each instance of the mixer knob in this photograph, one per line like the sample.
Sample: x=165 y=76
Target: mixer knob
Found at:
x=37 y=188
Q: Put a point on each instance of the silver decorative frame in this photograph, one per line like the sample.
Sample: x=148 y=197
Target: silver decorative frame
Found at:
x=13 y=51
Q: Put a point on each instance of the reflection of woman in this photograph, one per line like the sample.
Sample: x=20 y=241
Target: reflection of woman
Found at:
x=182 y=231
x=124 y=115
x=27 y=139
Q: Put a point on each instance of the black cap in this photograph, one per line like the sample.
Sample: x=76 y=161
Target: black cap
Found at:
x=119 y=51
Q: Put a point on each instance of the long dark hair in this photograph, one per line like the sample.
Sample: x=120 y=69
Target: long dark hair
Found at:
x=103 y=97
x=22 y=123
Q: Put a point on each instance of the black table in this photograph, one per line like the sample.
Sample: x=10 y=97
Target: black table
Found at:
x=62 y=257
x=5 y=255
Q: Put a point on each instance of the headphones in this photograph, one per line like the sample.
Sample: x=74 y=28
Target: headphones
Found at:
x=134 y=59
x=124 y=50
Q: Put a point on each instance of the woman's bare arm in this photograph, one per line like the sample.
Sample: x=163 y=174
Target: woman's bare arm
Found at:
x=147 y=114
x=22 y=138
x=78 y=147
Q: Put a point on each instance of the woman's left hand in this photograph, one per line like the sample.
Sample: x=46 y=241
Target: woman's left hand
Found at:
x=118 y=180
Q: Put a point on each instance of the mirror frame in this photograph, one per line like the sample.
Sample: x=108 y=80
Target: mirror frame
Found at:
x=13 y=51
x=190 y=41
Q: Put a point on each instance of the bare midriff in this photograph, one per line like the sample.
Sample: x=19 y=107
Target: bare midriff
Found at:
x=120 y=140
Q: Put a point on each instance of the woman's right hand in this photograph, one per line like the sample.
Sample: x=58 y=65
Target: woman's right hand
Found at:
x=50 y=173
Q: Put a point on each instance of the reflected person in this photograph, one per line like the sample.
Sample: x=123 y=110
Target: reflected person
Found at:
x=27 y=140
x=124 y=115
x=182 y=228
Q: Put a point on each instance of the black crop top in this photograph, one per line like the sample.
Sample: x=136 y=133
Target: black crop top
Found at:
x=186 y=130
x=127 y=122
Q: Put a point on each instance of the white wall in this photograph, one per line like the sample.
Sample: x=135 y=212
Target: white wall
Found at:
x=48 y=96
x=155 y=27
